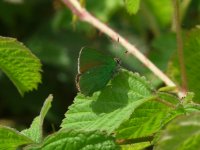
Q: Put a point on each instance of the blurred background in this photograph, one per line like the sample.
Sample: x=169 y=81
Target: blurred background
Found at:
x=46 y=27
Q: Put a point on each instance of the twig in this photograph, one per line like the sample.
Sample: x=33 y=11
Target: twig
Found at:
x=84 y=15
x=180 y=44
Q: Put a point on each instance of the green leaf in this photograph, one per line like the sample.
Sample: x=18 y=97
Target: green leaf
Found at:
x=181 y=134
x=19 y=64
x=11 y=139
x=106 y=110
x=167 y=89
x=35 y=131
x=173 y=99
x=136 y=146
x=73 y=140
x=192 y=58
x=192 y=107
x=145 y=121
x=150 y=117
x=132 y=6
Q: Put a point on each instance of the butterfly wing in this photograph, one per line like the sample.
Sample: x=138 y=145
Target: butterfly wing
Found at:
x=90 y=58
x=95 y=79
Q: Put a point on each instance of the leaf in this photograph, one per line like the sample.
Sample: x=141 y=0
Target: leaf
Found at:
x=35 y=131
x=19 y=64
x=73 y=140
x=132 y=6
x=192 y=107
x=173 y=99
x=191 y=58
x=136 y=146
x=110 y=107
x=146 y=120
x=150 y=117
x=181 y=134
x=11 y=139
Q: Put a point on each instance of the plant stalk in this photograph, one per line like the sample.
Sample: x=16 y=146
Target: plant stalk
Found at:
x=180 y=45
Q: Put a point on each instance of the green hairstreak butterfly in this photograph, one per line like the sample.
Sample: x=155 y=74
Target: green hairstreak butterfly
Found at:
x=94 y=70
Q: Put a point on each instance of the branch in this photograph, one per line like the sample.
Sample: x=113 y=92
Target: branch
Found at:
x=84 y=15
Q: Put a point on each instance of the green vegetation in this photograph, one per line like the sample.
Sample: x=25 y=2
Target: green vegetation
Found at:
x=133 y=109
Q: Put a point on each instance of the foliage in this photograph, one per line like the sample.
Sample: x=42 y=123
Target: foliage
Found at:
x=73 y=140
x=131 y=111
x=117 y=100
x=11 y=139
x=182 y=133
x=35 y=131
x=19 y=64
x=132 y=6
x=129 y=108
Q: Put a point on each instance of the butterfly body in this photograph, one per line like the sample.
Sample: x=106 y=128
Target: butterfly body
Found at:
x=94 y=70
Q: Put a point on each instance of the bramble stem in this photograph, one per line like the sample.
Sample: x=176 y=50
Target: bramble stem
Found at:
x=180 y=44
x=84 y=15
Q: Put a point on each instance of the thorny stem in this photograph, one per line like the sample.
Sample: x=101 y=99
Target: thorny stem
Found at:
x=180 y=45
x=84 y=15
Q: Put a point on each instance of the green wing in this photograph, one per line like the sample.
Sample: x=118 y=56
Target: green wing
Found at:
x=95 y=79
x=89 y=58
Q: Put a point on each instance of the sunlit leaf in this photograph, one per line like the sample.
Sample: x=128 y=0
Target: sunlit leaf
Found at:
x=11 y=139
x=132 y=6
x=19 y=64
x=108 y=109
x=72 y=140
x=35 y=130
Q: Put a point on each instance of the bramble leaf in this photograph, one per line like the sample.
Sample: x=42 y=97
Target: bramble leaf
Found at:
x=108 y=109
x=145 y=121
x=136 y=146
x=73 y=140
x=35 y=130
x=19 y=64
x=11 y=139
x=132 y=6
x=182 y=133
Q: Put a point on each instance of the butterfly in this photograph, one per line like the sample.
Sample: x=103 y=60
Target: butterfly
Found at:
x=94 y=70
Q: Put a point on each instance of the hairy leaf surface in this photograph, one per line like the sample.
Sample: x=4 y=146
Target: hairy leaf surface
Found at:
x=108 y=109
x=19 y=64
x=11 y=139
x=35 y=130
x=72 y=140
